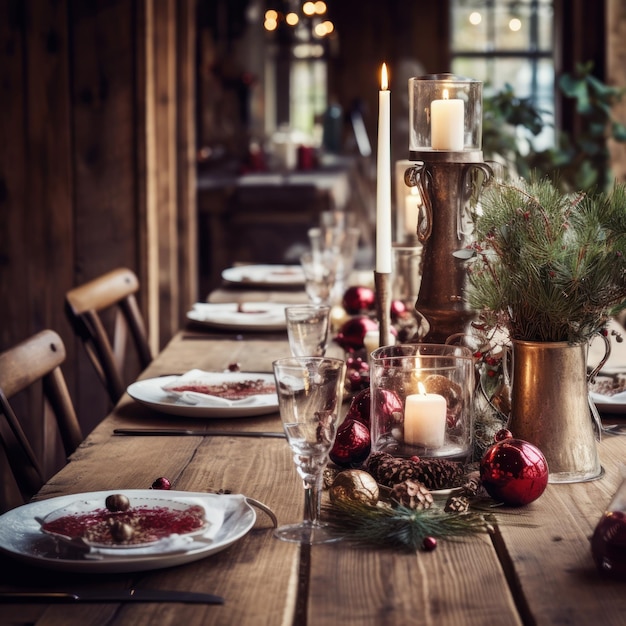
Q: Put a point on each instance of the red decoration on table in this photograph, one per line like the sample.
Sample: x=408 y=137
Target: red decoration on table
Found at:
x=398 y=309
x=161 y=483
x=352 y=444
x=429 y=544
x=352 y=334
x=358 y=299
x=360 y=407
x=513 y=471
x=608 y=544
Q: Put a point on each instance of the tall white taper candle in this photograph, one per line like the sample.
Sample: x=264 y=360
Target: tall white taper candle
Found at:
x=383 y=178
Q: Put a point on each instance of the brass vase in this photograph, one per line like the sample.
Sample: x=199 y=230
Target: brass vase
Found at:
x=550 y=407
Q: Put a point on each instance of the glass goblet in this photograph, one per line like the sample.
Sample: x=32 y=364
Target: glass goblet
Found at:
x=309 y=398
x=307 y=329
x=319 y=275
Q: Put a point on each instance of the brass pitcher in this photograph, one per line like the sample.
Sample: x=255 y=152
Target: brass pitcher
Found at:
x=550 y=407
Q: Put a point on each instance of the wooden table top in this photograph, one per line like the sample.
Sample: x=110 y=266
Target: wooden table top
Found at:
x=540 y=572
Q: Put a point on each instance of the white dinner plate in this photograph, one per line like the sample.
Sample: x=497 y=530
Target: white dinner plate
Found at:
x=256 y=316
x=265 y=275
x=21 y=535
x=151 y=393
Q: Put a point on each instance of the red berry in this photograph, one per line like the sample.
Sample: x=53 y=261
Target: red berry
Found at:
x=161 y=483
x=503 y=434
x=429 y=544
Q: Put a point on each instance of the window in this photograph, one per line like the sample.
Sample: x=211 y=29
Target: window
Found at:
x=508 y=42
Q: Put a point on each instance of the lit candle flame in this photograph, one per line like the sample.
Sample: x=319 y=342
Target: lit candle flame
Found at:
x=384 y=83
x=446 y=96
x=422 y=389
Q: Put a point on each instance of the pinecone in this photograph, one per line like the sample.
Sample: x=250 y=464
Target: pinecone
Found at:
x=457 y=504
x=412 y=494
x=460 y=501
x=432 y=473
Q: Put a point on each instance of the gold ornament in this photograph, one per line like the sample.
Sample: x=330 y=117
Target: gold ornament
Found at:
x=354 y=486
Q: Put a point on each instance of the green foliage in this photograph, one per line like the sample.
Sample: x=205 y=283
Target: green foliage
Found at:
x=577 y=163
x=549 y=266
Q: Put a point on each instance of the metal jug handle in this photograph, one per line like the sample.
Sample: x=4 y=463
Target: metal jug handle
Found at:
x=607 y=353
x=590 y=379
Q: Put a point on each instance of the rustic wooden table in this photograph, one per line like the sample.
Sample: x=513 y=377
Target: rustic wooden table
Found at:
x=540 y=572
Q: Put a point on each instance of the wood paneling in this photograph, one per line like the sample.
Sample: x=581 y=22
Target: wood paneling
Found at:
x=80 y=114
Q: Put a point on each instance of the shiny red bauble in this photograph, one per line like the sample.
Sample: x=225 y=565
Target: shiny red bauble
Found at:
x=398 y=309
x=358 y=299
x=352 y=333
x=161 y=483
x=513 y=471
x=388 y=408
x=352 y=444
x=360 y=407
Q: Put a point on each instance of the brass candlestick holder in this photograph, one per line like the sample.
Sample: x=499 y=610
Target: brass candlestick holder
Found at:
x=446 y=181
x=445 y=144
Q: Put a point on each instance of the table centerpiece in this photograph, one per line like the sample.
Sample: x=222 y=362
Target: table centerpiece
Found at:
x=550 y=270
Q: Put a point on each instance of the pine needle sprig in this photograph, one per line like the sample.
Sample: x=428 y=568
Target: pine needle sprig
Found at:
x=549 y=266
x=400 y=527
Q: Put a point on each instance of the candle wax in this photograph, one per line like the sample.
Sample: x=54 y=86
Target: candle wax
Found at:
x=447 y=124
x=425 y=420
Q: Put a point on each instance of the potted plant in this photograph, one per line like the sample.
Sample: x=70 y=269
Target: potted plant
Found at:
x=550 y=270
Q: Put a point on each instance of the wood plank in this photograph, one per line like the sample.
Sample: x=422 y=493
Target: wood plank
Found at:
x=186 y=156
x=460 y=583
x=553 y=560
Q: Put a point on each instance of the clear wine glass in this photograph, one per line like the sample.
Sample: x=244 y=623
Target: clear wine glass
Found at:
x=309 y=397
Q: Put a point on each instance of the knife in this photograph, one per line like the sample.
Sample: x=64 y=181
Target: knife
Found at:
x=106 y=595
x=196 y=433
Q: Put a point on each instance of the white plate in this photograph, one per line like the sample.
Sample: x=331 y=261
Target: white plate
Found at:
x=265 y=275
x=21 y=536
x=610 y=404
x=151 y=393
x=252 y=316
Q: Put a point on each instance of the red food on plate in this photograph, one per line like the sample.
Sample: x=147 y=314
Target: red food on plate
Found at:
x=230 y=390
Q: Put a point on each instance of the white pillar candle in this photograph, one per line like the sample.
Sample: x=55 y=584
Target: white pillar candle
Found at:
x=425 y=419
x=383 y=178
x=447 y=125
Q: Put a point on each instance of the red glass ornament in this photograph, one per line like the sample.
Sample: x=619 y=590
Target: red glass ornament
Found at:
x=513 y=471
x=389 y=409
x=608 y=544
x=358 y=299
x=351 y=334
x=398 y=309
x=352 y=444
x=161 y=483
x=429 y=544
x=360 y=407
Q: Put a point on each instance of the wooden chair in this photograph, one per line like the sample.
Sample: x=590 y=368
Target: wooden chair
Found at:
x=114 y=294
x=22 y=368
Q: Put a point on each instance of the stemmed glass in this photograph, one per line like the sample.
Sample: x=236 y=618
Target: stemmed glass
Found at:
x=307 y=329
x=309 y=397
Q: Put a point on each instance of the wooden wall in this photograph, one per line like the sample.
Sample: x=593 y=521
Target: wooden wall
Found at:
x=97 y=164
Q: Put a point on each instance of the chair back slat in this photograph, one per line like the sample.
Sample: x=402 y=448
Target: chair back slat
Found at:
x=113 y=292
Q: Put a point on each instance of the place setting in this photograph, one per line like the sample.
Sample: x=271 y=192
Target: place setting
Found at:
x=264 y=275
x=242 y=316
x=204 y=394
x=125 y=531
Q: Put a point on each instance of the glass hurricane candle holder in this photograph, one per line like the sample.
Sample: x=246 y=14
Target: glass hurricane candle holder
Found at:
x=445 y=114
x=422 y=400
